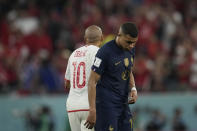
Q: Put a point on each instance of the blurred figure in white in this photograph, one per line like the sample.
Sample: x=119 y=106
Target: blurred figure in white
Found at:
x=77 y=75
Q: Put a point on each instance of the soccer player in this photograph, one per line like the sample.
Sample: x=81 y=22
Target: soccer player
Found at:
x=77 y=75
x=111 y=87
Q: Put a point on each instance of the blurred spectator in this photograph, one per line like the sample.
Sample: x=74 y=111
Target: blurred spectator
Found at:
x=28 y=73
x=47 y=122
x=42 y=120
x=157 y=121
x=49 y=77
x=32 y=121
x=178 y=122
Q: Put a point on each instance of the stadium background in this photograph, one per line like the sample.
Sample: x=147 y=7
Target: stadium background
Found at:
x=37 y=37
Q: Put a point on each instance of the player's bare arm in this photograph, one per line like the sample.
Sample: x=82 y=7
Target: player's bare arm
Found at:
x=133 y=93
x=91 y=120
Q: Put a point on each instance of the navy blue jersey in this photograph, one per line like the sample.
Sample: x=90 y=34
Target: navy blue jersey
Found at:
x=113 y=64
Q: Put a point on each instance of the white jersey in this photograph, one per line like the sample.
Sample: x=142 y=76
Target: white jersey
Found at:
x=78 y=72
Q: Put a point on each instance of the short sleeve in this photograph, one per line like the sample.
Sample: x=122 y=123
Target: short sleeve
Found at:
x=100 y=61
x=91 y=56
x=67 y=74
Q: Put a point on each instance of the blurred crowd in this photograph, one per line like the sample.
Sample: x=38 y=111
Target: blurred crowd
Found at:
x=158 y=121
x=37 y=37
x=40 y=120
x=145 y=118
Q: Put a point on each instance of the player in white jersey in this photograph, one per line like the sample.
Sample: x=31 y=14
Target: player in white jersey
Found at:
x=77 y=75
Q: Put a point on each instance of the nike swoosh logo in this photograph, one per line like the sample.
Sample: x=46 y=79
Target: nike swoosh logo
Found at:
x=117 y=63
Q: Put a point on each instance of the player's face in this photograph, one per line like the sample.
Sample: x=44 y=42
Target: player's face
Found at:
x=126 y=41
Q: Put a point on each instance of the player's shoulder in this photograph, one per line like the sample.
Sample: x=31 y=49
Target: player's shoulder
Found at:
x=87 y=48
x=77 y=50
x=92 y=47
x=107 y=47
x=82 y=48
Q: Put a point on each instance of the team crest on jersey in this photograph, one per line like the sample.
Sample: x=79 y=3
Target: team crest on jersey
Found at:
x=111 y=128
x=126 y=62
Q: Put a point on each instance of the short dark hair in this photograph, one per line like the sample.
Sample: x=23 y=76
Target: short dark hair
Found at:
x=130 y=29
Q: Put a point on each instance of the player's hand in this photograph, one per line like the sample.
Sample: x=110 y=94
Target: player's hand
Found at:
x=91 y=120
x=132 y=97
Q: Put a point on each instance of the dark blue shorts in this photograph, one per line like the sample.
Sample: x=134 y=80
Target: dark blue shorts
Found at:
x=113 y=119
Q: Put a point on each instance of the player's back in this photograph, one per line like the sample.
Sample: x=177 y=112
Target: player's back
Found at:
x=78 y=72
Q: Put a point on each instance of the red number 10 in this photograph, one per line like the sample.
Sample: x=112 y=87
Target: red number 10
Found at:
x=81 y=65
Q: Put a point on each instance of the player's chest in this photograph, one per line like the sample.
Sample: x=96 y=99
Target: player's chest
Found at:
x=120 y=62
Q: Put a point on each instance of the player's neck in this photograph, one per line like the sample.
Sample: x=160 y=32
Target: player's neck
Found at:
x=117 y=43
x=93 y=43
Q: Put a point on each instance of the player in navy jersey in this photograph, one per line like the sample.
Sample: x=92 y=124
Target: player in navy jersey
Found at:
x=111 y=83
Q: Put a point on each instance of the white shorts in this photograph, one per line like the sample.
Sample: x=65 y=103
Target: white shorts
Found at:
x=77 y=121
